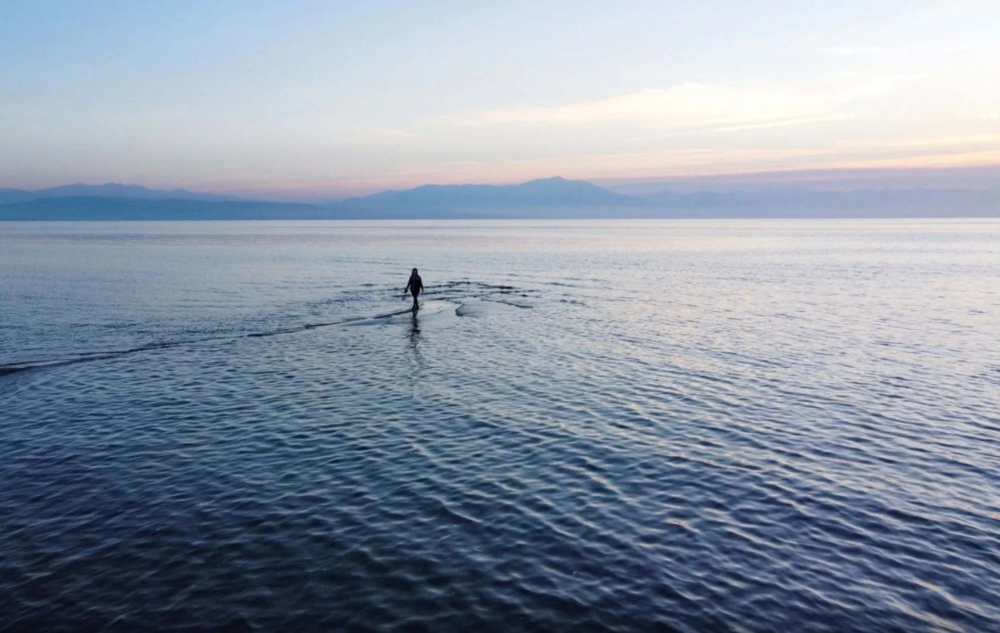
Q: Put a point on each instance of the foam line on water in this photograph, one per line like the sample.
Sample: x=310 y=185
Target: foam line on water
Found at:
x=14 y=368
x=430 y=307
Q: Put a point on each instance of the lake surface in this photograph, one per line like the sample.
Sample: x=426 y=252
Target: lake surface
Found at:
x=633 y=426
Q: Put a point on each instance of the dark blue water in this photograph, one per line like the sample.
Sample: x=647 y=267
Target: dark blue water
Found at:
x=633 y=426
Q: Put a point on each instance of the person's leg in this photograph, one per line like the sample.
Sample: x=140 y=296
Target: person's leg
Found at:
x=415 y=295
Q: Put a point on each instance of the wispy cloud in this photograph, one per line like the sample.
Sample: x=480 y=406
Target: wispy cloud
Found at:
x=856 y=50
x=697 y=106
x=874 y=88
x=849 y=51
x=707 y=162
x=968 y=142
x=761 y=125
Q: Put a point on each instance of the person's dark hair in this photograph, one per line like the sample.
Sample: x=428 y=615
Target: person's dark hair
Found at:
x=414 y=272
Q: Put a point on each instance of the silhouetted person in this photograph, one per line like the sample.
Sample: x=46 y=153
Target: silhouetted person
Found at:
x=414 y=287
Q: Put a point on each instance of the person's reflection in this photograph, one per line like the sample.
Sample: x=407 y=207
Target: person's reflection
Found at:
x=414 y=338
x=414 y=330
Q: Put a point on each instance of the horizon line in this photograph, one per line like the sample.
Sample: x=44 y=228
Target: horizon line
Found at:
x=819 y=180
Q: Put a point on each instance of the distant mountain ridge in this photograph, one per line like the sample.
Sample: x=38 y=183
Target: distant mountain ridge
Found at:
x=109 y=190
x=798 y=202
x=545 y=191
x=548 y=198
x=561 y=198
x=89 y=208
x=101 y=209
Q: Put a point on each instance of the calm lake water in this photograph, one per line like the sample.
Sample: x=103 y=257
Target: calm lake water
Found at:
x=633 y=426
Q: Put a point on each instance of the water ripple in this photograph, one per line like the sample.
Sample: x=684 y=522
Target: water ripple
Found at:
x=730 y=438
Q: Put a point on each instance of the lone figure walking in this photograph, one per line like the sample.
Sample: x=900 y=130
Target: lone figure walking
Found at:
x=414 y=287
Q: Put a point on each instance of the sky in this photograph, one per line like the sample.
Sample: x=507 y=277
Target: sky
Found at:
x=322 y=100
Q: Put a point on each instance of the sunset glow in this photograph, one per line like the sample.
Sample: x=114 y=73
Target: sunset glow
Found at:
x=336 y=99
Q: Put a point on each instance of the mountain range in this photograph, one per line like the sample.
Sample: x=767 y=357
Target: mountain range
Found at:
x=545 y=198
x=109 y=190
x=555 y=191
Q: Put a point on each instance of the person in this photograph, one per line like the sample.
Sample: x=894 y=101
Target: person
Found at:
x=415 y=286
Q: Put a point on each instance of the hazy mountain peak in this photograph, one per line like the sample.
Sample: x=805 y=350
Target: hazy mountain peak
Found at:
x=543 y=192
x=109 y=190
x=553 y=197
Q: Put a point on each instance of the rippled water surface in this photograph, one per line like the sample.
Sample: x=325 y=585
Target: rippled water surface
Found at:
x=690 y=426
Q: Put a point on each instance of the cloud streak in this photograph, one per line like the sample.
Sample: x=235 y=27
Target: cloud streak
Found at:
x=916 y=49
x=697 y=106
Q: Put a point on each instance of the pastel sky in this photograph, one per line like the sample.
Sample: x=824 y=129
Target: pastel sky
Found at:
x=306 y=100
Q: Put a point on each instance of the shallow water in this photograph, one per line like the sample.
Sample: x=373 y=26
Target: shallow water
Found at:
x=725 y=426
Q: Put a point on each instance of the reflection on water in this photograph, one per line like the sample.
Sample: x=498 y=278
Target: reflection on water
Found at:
x=415 y=337
x=746 y=426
